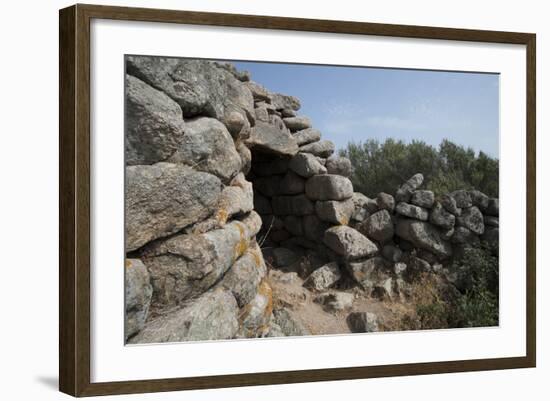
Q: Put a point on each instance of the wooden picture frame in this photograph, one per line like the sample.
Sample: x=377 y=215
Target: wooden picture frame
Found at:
x=74 y=203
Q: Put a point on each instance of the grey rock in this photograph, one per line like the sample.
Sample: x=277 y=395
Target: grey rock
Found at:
x=339 y=165
x=417 y=265
x=363 y=206
x=329 y=187
x=321 y=148
x=462 y=198
x=164 y=198
x=261 y=114
x=245 y=276
x=449 y=203
x=154 y=124
x=246 y=157
x=423 y=235
x=252 y=224
x=441 y=217
x=404 y=192
x=308 y=135
x=372 y=274
x=385 y=201
x=335 y=301
x=392 y=253
x=349 y=243
x=463 y=235
x=237 y=125
x=314 y=227
x=479 y=199
x=338 y=212
x=288 y=113
x=298 y=205
x=293 y=224
x=185 y=266
x=291 y=184
x=378 y=226
x=472 y=219
x=491 y=221
x=212 y=316
x=324 y=277
x=423 y=198
x=306 y=165
x=255 y=317
x=493 y=207
x=207 y=146
x=362 y=322
x=138 y=293
x=297 y=123
x=238 y=198
x=412 y=211
x=259 y=93
x=276 y=121
x=399 y=268
x=269 y=139
x=281 y=102
x=283 y=257
x=288 y=323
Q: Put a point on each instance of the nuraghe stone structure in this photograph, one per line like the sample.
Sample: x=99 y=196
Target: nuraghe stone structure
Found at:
x=225 y=180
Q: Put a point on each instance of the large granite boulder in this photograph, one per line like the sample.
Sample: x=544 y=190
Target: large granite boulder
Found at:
x=329 y=187
x=269 y=139
x=306 y=165
x=423 y=235
x=154 y=124
x=164 y=198
x=339 y=166
x=349 y=243
x=378 y=226
x=337 y=212
x=212 y=316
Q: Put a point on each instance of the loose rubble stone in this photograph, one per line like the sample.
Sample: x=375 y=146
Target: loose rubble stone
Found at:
x=335 y=301
x=324 y=277
x=288 y=324
x=412 y=211
x=329 y=187
x=385 y=201
x=363 y=322
x=350 y=243
x=372 y=274
x=423 y=198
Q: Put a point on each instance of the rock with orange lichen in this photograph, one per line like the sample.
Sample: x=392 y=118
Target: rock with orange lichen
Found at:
x=254 y=318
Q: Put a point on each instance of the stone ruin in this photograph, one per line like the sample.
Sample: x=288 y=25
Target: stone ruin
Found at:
x=225 y=181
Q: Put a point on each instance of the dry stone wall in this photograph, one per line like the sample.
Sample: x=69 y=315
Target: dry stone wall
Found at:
x=222 y=173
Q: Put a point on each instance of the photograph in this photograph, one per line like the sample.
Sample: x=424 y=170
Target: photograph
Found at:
x=267 y=199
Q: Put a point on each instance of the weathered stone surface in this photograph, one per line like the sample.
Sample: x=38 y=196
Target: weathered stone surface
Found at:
x=441 y=217
x=472 y=219
x=187 y=265
x=163 y=198
x=335 y=301
x=207 y=146
x=491 y=221
x=449 y=203
x=314 y=227
x=306 y=165
x=423 y=198
x=298 y=205
x=291 y=184
x=246 y=157
x=212 y=316
x=245 y=276
x=255 y=317
x=138 y=292
x=349 y=243
x=362 y=322
x=154 y=124
x=287 y=113
x=338 y=212
x=237 y=124
x=288 y=324
x=269 y=139
x=198 y=86
x=463 y=235
x=479 y=199
x=261 y=114
x=282 y=102
x=321 y=148
x=297 y=123
x=392 y=253
x=329 y=187
x=423 y=235
x=324 y=277
x=363 y=206
x=242 y=76
x=373 y=275
x=412 y=211
x=399 y=268
x=462 y=198
x=493 y=207
x=417 y=265
x=276 y=121
x=259 y=93
x=378 y=226
x=385 y=201
x=404 y=192
x=305 y=136
x=339 y=165
x=238 y=198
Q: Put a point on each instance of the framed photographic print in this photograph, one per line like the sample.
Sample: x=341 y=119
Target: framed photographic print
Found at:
x=250 y=200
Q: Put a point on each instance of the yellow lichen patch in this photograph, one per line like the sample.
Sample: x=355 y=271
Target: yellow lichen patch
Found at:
x=344 y=221
x=222 y=215
x=265 y=289
x=257 y=255
x=128 y=263
x=242 y=245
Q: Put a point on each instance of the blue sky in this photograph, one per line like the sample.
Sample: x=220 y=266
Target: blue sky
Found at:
x=354 y=104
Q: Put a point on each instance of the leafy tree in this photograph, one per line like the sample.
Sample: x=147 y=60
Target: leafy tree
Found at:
x=383 y=167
